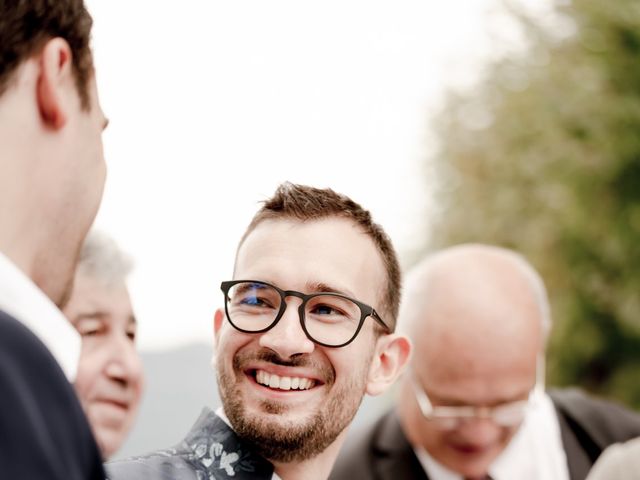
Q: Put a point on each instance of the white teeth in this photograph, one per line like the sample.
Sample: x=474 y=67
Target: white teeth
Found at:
x=283 y=383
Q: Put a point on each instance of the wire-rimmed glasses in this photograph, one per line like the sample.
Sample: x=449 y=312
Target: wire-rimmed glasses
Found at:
x=508 y=415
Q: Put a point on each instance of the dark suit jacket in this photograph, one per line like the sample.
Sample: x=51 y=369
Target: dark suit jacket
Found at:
x=587 y=427
x=43 y=432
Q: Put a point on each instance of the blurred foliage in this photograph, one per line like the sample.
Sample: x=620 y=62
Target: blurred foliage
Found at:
x=544 y=157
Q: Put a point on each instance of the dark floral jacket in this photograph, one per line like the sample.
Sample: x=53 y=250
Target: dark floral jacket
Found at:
x=210 y=451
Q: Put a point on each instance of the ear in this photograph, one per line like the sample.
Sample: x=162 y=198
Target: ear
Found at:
x=56 y=76
x=390 y=357
x=218 y=318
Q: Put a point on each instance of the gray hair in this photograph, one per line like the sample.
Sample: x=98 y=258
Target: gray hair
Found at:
x=102 y=259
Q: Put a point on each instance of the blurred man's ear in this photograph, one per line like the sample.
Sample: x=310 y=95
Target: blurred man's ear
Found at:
x=218 y=318
x=56 y=76
x=390 y=357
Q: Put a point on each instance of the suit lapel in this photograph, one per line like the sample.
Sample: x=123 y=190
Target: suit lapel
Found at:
x=393 y=456
x=577 y=458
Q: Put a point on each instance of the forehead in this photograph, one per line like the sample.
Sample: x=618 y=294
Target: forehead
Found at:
x=91 y=295
x=294 y=255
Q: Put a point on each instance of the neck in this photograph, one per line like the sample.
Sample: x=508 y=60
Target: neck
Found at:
x=316 y=468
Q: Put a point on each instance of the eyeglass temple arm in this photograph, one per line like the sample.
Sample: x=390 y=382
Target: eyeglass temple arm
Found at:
x=377 y=318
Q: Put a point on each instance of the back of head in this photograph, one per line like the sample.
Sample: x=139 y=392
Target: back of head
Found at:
x=26 y=25
x=52 y=168
x=304 y=203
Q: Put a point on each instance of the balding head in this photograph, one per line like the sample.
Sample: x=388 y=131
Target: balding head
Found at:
x=477 y=274
x=478 y=317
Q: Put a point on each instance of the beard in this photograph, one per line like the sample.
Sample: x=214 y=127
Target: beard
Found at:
x=290 y=441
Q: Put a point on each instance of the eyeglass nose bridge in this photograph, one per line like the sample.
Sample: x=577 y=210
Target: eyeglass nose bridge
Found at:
x=283 y=308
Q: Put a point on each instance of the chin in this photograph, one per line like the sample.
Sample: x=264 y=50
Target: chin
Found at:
x=108 y=443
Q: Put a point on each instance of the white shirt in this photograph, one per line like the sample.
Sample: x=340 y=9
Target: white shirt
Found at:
x=535 y=452
x=23 y=300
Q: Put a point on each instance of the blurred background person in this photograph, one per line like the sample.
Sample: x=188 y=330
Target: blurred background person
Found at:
x=110 y=378
x=473 y=405
x=618 y=462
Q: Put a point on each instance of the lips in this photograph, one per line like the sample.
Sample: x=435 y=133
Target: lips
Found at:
x=279 y=382
x=113 y=402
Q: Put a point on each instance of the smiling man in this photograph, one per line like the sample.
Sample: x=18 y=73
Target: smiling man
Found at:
x=306 y=330
x=472 y=406
x=109 y=380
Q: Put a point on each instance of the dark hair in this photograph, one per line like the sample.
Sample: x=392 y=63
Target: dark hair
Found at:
x=25 y=26
x=301 y=202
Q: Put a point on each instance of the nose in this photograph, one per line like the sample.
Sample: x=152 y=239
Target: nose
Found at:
x=124 y=365
x=287 y=338
x=481 y=432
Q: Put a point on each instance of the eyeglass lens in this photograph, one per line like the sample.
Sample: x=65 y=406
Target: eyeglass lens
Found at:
x=328 y=318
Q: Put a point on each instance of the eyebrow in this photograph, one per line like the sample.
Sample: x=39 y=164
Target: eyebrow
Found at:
x=321 y=287
x=99 y=315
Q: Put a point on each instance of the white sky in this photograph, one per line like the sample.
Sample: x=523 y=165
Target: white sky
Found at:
x=213 y=104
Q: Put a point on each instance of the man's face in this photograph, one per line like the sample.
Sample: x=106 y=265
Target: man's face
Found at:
x=288 y=396
x=476 y=323
x=109 y=380
x=471 y=446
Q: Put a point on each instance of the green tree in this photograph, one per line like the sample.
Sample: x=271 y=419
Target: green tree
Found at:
x=544 y=157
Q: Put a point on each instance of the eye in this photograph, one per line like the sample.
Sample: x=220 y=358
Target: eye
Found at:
x=252 y=300
x=326 y=310
x=89 y=327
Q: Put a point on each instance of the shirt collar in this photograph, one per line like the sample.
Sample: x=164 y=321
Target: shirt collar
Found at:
x=22 y=299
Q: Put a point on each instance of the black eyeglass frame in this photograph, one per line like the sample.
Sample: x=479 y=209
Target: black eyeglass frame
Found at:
x=365 y=310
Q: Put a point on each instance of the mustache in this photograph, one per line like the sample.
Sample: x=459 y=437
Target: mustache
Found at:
x=242 y=359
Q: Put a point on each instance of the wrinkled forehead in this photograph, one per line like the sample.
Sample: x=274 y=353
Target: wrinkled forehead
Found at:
x=295 y=254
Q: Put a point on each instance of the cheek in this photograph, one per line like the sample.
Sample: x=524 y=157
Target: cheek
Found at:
x=87 y=376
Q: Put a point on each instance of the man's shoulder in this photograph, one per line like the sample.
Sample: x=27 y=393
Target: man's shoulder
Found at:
x=605 y=421
x=22 y=354
x=33 y=385
x=167 y=464
x=618 y=462
x=210 y=450
x=380 y=450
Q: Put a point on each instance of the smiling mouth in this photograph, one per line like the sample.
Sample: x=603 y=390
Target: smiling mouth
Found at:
x=114 y=403
x=277 y=382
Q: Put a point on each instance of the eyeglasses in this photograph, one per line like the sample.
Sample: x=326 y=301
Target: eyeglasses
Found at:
x=509 y=414
x=328 y=319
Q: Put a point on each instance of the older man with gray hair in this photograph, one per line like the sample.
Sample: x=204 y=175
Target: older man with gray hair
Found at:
x=109 y=380
x=473 y=404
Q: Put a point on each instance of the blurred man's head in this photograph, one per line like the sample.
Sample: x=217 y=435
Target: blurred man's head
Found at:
x=109 y=380
x=478 y=317
x=52 y=169
x=291 y=386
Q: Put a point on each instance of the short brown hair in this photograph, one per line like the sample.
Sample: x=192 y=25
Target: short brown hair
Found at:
x=25 y=25
x=301 y=202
